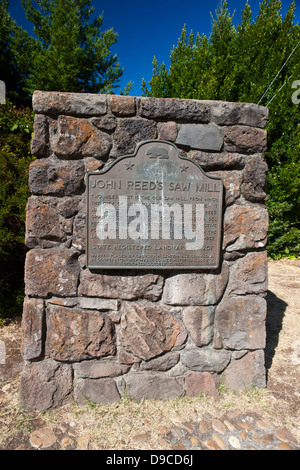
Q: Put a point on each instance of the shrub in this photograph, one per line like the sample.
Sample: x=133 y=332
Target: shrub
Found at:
x=16 y=125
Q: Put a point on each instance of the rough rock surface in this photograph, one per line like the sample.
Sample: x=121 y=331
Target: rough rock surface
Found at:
x=97 y=334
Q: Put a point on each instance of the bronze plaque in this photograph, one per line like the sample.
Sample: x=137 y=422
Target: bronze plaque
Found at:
x=153 y=210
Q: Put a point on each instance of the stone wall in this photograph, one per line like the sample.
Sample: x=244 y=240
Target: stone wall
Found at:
x=147 y=334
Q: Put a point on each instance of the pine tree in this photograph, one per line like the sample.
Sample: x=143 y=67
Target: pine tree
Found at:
x=16 y=49
x=222 y=39
x=73 y=54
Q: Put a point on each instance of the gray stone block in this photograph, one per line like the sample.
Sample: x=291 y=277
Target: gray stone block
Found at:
x=195 y=288
x=32 y=328
x=227 y=114
x=200 y=136
x=148 y=385
x=240 y=323
x=246 y=372
x=96 y=391
x=205 y=359
x=45 y=385
x=175 y=109
x=77 y=104
x=2 y=353
x=95 y=369
x=249 y=275
x=94 y=303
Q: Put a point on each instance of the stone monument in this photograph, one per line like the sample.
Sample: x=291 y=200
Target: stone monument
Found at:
x=146 y=271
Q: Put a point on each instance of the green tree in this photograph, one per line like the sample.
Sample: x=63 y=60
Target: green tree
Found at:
x=255 y=62
x=16 y=125
x=73 y=54
x=16 y=49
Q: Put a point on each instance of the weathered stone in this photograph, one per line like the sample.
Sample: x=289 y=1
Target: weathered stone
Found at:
x=204 y=426
x=83 y=441
x=240 y=323
x=72 y=302
x=219 y=441
x=94 y=303
x=205 y=359
x=42 y=438
x=68 y=207
x=161 y=363
x=196 y=288
x=245 y=227
x=2 y=353
x=106 y=123
x=67 y=226
x=130 y=132
x=246 y=372
x=149 y=385
x=228 y=114
x=167 y=131
x=51 y=272
x=232 y=181
x=200 y=136
x=42 y=225
x=76 y=334
x=77 y=104
x=199 y=324
x=79 y=138
x=119 y=328
x=121 y=105
x=175 y=109
x=79 y=231
x=32 y=328
x=254 y=181
x=40 y=146
x=156 y=329
x=210 y=161
x=283 y=434
x=56 y=178
x=219 y=426
x=234 y=442
x=45 y=385
x=243 y=139
x=197 y=383
x=96 y=391
x=95 y=369
x=92 y=164
x=249 y=275
x=147 y=286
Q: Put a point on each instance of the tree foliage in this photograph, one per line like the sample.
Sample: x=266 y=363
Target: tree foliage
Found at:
x=73 y=54
x=16 y=126
x=16 y=50
x=257 y=62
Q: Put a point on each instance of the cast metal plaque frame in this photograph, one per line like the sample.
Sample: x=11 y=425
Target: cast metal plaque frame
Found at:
x=153 y=209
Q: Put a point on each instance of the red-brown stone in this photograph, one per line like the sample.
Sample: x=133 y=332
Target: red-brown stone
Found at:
x=156 y=329
x=51 y=272
x=201 y=382
x=76 y=334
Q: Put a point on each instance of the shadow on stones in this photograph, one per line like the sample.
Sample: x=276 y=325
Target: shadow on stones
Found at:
x=275 y=313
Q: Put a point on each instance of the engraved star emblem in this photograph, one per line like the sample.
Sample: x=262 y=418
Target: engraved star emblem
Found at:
x=129 y=165
x=183 y=167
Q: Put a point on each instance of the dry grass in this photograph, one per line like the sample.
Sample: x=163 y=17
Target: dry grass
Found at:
x=128 y=424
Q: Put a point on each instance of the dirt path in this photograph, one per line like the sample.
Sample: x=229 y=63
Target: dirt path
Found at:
x=283 y=334
x=149 y=424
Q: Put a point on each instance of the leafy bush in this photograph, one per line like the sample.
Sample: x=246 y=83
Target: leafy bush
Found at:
x=16 y=125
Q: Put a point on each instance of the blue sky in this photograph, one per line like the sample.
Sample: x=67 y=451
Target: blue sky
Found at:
x=151 y=28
